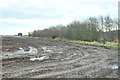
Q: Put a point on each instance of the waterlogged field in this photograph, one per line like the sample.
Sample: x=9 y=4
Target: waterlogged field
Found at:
x=37 y=58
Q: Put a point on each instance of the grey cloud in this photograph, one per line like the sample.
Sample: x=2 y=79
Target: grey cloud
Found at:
x=30 y=12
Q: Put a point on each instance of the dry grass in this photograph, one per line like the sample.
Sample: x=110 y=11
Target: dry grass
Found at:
x=112 y=44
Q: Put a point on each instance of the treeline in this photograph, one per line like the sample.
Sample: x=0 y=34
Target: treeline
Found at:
x=92 y=29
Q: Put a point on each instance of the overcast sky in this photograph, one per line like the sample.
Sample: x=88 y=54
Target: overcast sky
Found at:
x=28 y=15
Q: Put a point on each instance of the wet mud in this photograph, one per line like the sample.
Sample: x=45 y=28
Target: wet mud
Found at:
x=36 y=58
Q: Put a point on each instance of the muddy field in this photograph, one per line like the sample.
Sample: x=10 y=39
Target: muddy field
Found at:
x=36 y=58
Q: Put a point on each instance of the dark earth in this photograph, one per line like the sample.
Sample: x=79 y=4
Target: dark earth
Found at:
x=24 y=57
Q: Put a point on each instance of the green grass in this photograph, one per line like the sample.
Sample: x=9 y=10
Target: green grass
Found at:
x=108 y=44
x=92 y=44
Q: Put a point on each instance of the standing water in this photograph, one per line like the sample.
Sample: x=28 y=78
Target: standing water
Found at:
x=32 y=50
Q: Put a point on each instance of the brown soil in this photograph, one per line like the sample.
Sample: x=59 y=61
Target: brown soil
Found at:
x=65 y=60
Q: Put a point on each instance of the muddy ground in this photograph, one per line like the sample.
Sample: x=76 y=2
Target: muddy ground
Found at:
x=36 y=58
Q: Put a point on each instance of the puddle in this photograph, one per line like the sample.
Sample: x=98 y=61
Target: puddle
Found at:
x=20 y=48
x=32 y=50
x=111 y=66
x=52 y=49
x=47 y=49
x=114 y=66
x=7 y=49
x=72 y=55
x=39 y=58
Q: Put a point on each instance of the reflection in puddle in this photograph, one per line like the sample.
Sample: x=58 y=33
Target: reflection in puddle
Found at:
x=114 y=66
x=111 y=66
x=31 y=51
x=39 y=58
x=20 y=48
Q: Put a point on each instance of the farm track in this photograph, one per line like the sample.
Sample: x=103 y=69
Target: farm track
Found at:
x=66 y=60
